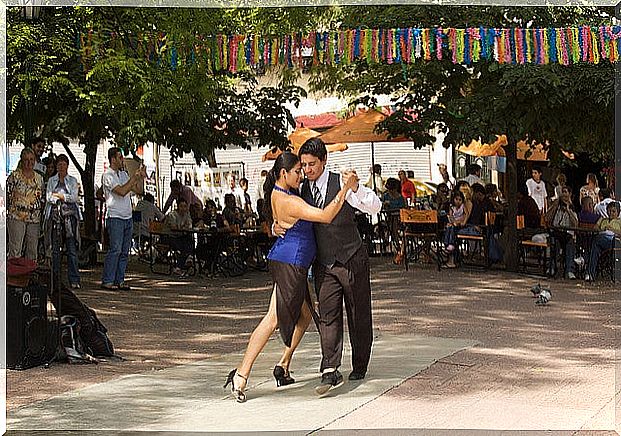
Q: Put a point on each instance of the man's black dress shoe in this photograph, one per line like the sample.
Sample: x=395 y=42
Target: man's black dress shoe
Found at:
x=356 y=375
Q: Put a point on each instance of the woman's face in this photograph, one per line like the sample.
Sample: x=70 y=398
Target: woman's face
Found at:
x=465 y=189
x=28 y=161
x=61 y=167
x=613 y=213
x=457 y=201
x=293 y=177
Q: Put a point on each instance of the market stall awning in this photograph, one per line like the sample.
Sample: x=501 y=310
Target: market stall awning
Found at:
x=359 y=128
x=298 y=137
x=535 y=153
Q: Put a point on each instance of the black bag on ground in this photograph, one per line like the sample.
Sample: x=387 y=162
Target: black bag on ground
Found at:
x=91 y=331
x=73 y=346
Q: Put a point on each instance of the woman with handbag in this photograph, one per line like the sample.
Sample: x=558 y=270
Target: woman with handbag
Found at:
x=62 y=218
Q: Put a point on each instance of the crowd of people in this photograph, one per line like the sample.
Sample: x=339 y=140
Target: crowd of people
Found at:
x=463 y=208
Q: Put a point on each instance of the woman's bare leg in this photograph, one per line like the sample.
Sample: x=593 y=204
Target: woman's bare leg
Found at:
x=258 y=339
x=298 y=333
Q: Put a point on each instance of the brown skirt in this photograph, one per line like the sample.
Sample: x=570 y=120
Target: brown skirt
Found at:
x=291 y=285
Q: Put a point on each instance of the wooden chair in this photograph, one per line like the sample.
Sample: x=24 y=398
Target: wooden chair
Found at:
x=478 y=244
x=526 y=245
x=421 y=230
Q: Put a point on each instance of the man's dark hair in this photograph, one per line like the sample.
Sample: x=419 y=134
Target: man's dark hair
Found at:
x=474 y=169
x=611 y=205
x=112 y=151
x=538 y=169
x=244 y=180
x=605 y=193
x=315 y=147
x=175 y=184
x=377 y=169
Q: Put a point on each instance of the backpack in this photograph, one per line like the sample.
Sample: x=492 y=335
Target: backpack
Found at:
x=74 y=349
x=91 y=331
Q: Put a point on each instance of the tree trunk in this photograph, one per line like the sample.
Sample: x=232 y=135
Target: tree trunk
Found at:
x=88 y=184
x=511 y=254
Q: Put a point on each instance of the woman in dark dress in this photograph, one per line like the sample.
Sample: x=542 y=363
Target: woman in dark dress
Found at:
x=289 y=260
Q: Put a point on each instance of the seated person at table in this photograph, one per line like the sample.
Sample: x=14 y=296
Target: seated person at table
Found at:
x=196 y=213
x=493 y=197
x=457 y=218
x=211 y=217
x=605 y=197
x=610 y=229
x=393 y=201
x=232 y=214
x=560 y=215
x=149 y=212
x=176 y=221
x=528 y=208
x=443 y=202
x=587 y=216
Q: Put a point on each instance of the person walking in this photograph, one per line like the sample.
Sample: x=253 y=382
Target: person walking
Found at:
x=25 y=198
x=62 y=218
x=118 y=187
x=289 y=260
x=341 y=269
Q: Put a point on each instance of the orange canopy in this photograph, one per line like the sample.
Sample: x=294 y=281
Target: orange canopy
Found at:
x=297 y=138
x=476 y=148
x=359 y=128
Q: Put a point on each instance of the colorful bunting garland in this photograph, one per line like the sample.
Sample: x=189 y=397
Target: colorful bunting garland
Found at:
x=234 y=53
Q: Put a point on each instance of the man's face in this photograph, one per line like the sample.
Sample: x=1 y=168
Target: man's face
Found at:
x=243 y=185
x=231 y=180
x=38 y=148
x=566 y=195
x=117 y=160
x=536 y=175
x=402 y=175
x=313 y=167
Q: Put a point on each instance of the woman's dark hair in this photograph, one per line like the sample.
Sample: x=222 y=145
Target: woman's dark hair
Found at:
x=62 y=158
x=393 y=184
x=443 y=187
x=315 y=147
x=286 y=161
x=229 y=200
x=458 y=193
x=211 y=203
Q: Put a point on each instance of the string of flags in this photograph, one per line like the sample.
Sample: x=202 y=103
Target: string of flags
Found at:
x=565 y=46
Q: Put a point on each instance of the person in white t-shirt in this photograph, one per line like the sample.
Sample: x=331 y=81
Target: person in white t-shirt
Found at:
x=537 y=189
x=117 y=189
x=237 y=192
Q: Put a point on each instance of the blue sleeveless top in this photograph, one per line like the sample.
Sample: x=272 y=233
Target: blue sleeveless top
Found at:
x=298 y=247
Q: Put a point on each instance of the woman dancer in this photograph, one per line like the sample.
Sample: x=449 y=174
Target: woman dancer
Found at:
x=289 y=260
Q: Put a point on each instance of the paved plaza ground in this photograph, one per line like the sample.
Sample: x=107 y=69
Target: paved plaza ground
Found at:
x=454 y=350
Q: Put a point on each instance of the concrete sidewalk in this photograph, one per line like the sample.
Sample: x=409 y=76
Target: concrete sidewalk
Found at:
x=191 y=397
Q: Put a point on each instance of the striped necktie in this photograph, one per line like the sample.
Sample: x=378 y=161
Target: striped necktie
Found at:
x=317 y=198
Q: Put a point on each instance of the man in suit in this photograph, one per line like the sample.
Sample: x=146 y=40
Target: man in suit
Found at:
x=341 y=268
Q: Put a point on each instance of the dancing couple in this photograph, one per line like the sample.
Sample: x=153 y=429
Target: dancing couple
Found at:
x=317 y=228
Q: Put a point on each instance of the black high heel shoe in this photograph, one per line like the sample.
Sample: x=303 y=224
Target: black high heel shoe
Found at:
x=282 y=377
x=239 y=394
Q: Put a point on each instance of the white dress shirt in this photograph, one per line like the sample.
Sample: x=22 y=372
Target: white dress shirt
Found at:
x=364 y=199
